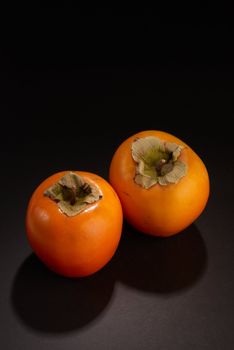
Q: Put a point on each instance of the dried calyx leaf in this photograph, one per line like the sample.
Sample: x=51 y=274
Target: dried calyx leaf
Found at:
x=157 y=162
x=73 y=194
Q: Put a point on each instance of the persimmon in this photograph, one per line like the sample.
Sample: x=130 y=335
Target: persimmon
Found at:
x=74 y=223
x=162 y=183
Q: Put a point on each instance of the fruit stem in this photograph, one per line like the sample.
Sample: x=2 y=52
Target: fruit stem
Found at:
x=157 y=161
x=73 y=193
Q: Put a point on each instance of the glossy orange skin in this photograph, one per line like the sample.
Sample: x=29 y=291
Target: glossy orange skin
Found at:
x=74 y=246
x=160 y=210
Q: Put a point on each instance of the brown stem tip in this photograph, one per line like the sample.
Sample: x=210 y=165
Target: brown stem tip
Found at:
x=157 y=161
x=73 y=194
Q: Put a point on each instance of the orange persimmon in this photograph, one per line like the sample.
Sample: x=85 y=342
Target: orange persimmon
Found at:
x=162 y=183
x=74 y=223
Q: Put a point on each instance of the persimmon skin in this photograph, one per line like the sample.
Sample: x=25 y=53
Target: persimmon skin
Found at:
x=160 y=210
x=74 y=246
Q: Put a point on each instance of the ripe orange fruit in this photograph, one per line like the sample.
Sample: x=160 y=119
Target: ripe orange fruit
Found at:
x=162 y=183
x=74 y=223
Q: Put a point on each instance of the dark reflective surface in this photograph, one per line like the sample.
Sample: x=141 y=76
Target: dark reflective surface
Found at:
x=161 y=265
x=50 y=303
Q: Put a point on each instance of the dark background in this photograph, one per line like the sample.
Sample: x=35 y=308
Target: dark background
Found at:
x=74 y=86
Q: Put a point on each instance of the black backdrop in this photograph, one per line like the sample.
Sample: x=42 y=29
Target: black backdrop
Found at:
x=73 y=88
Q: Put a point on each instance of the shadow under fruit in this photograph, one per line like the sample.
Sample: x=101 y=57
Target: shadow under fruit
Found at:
x=50 y=303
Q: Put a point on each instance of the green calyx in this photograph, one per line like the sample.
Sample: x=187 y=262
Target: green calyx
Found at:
x=157 y=162
x=73 y=194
